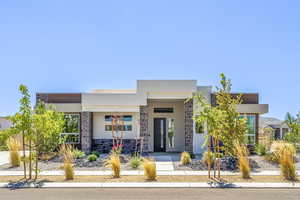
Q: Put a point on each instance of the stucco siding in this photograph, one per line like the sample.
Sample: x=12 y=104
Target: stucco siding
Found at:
x=99 y=126
x=67 y=107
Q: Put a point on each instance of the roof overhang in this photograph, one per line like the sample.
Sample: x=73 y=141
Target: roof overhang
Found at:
x=253 y=108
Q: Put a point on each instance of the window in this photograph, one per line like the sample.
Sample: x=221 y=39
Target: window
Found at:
x=120 y=128
x=171 y=132
x=163 y=110
x=71 y=128
x=250 y=135
x=127 y=119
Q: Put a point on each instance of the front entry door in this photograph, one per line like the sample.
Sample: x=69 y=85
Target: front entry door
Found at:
x=160 y=134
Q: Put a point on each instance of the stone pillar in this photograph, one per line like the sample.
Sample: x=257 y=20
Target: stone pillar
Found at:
x=86 y=132
x=144 y=131
x=188 y=125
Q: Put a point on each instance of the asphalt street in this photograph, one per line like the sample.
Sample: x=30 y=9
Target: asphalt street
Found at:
x=148 y=193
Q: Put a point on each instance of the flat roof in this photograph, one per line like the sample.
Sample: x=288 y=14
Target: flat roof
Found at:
x=113 y=91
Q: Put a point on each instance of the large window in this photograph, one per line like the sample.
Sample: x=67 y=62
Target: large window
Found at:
x=72 y=128
x=127 y=126
x=251 y=124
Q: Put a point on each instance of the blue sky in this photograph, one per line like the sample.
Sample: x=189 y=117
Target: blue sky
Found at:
x=76 y=46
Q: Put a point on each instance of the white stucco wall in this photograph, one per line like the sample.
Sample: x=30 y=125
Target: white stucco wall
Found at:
x=199 y=139
x=166 y=89
x=67 y=107
x=99 y=126
x=107 y=102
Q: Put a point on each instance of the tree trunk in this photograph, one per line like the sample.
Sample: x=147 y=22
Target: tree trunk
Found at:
x=37 y=153
x=24 y=154
x=30 y=160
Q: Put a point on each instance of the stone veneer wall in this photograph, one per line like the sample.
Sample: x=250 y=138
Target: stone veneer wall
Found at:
x=144 y=131
x=105 y=145
x=86 y=131
x=188 y=125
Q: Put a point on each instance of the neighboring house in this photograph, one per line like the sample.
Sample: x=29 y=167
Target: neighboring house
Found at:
x=279 y=127
x=156 y=115
x=5 y=123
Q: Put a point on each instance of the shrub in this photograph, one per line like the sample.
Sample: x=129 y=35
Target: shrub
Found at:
x=13 y=146
x=241 y=152
x=276 y=150
x=208 y=157
x=271 y=157
x=287 y=164
x=92 y=157
x=135 y=162
x=149 y=169
x=113 y=161
x=185 y=158
x=260 y=149
x=78 y=154
x=67 y=152
x=193 y=156
x=96 y=153
x=47 y=156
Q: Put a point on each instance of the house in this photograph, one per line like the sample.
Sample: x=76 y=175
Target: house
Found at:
x=279 y=127
x=157 y=115
x=5 y=123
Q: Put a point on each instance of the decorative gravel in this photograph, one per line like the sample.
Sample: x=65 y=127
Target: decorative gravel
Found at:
x=80 y=164
x=257 y=163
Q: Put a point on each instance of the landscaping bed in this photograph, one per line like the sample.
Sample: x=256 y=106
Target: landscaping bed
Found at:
x=257 y=163
x=83 y=163
x=229 y=179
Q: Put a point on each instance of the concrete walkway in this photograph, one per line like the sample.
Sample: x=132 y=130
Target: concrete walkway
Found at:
x=163 y=162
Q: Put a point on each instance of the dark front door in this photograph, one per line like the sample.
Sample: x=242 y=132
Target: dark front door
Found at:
x=160 y=134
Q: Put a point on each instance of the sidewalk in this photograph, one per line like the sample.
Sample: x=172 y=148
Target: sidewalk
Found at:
x=140 y=172
x=148 y=185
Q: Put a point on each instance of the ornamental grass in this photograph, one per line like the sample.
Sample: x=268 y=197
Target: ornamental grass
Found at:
x=13 y=146
x=67 y=153
x=185 y=158
x=241 y=152
x=149 y=169
x=113 y=162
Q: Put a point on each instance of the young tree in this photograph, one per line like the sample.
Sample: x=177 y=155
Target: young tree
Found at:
x=47 y=126
x=212 y=117
x=233 y=126
x=223 y=122
x=23 y=121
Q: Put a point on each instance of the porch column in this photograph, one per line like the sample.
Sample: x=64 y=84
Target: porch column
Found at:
x=188 y=125
x=86 y=132
x=144 y=131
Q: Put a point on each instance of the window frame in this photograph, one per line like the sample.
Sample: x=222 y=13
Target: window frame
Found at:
x=128 y=123
x=76 y=134
x=245 y=115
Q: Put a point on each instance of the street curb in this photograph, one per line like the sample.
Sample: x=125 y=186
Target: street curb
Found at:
x=148 y=185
